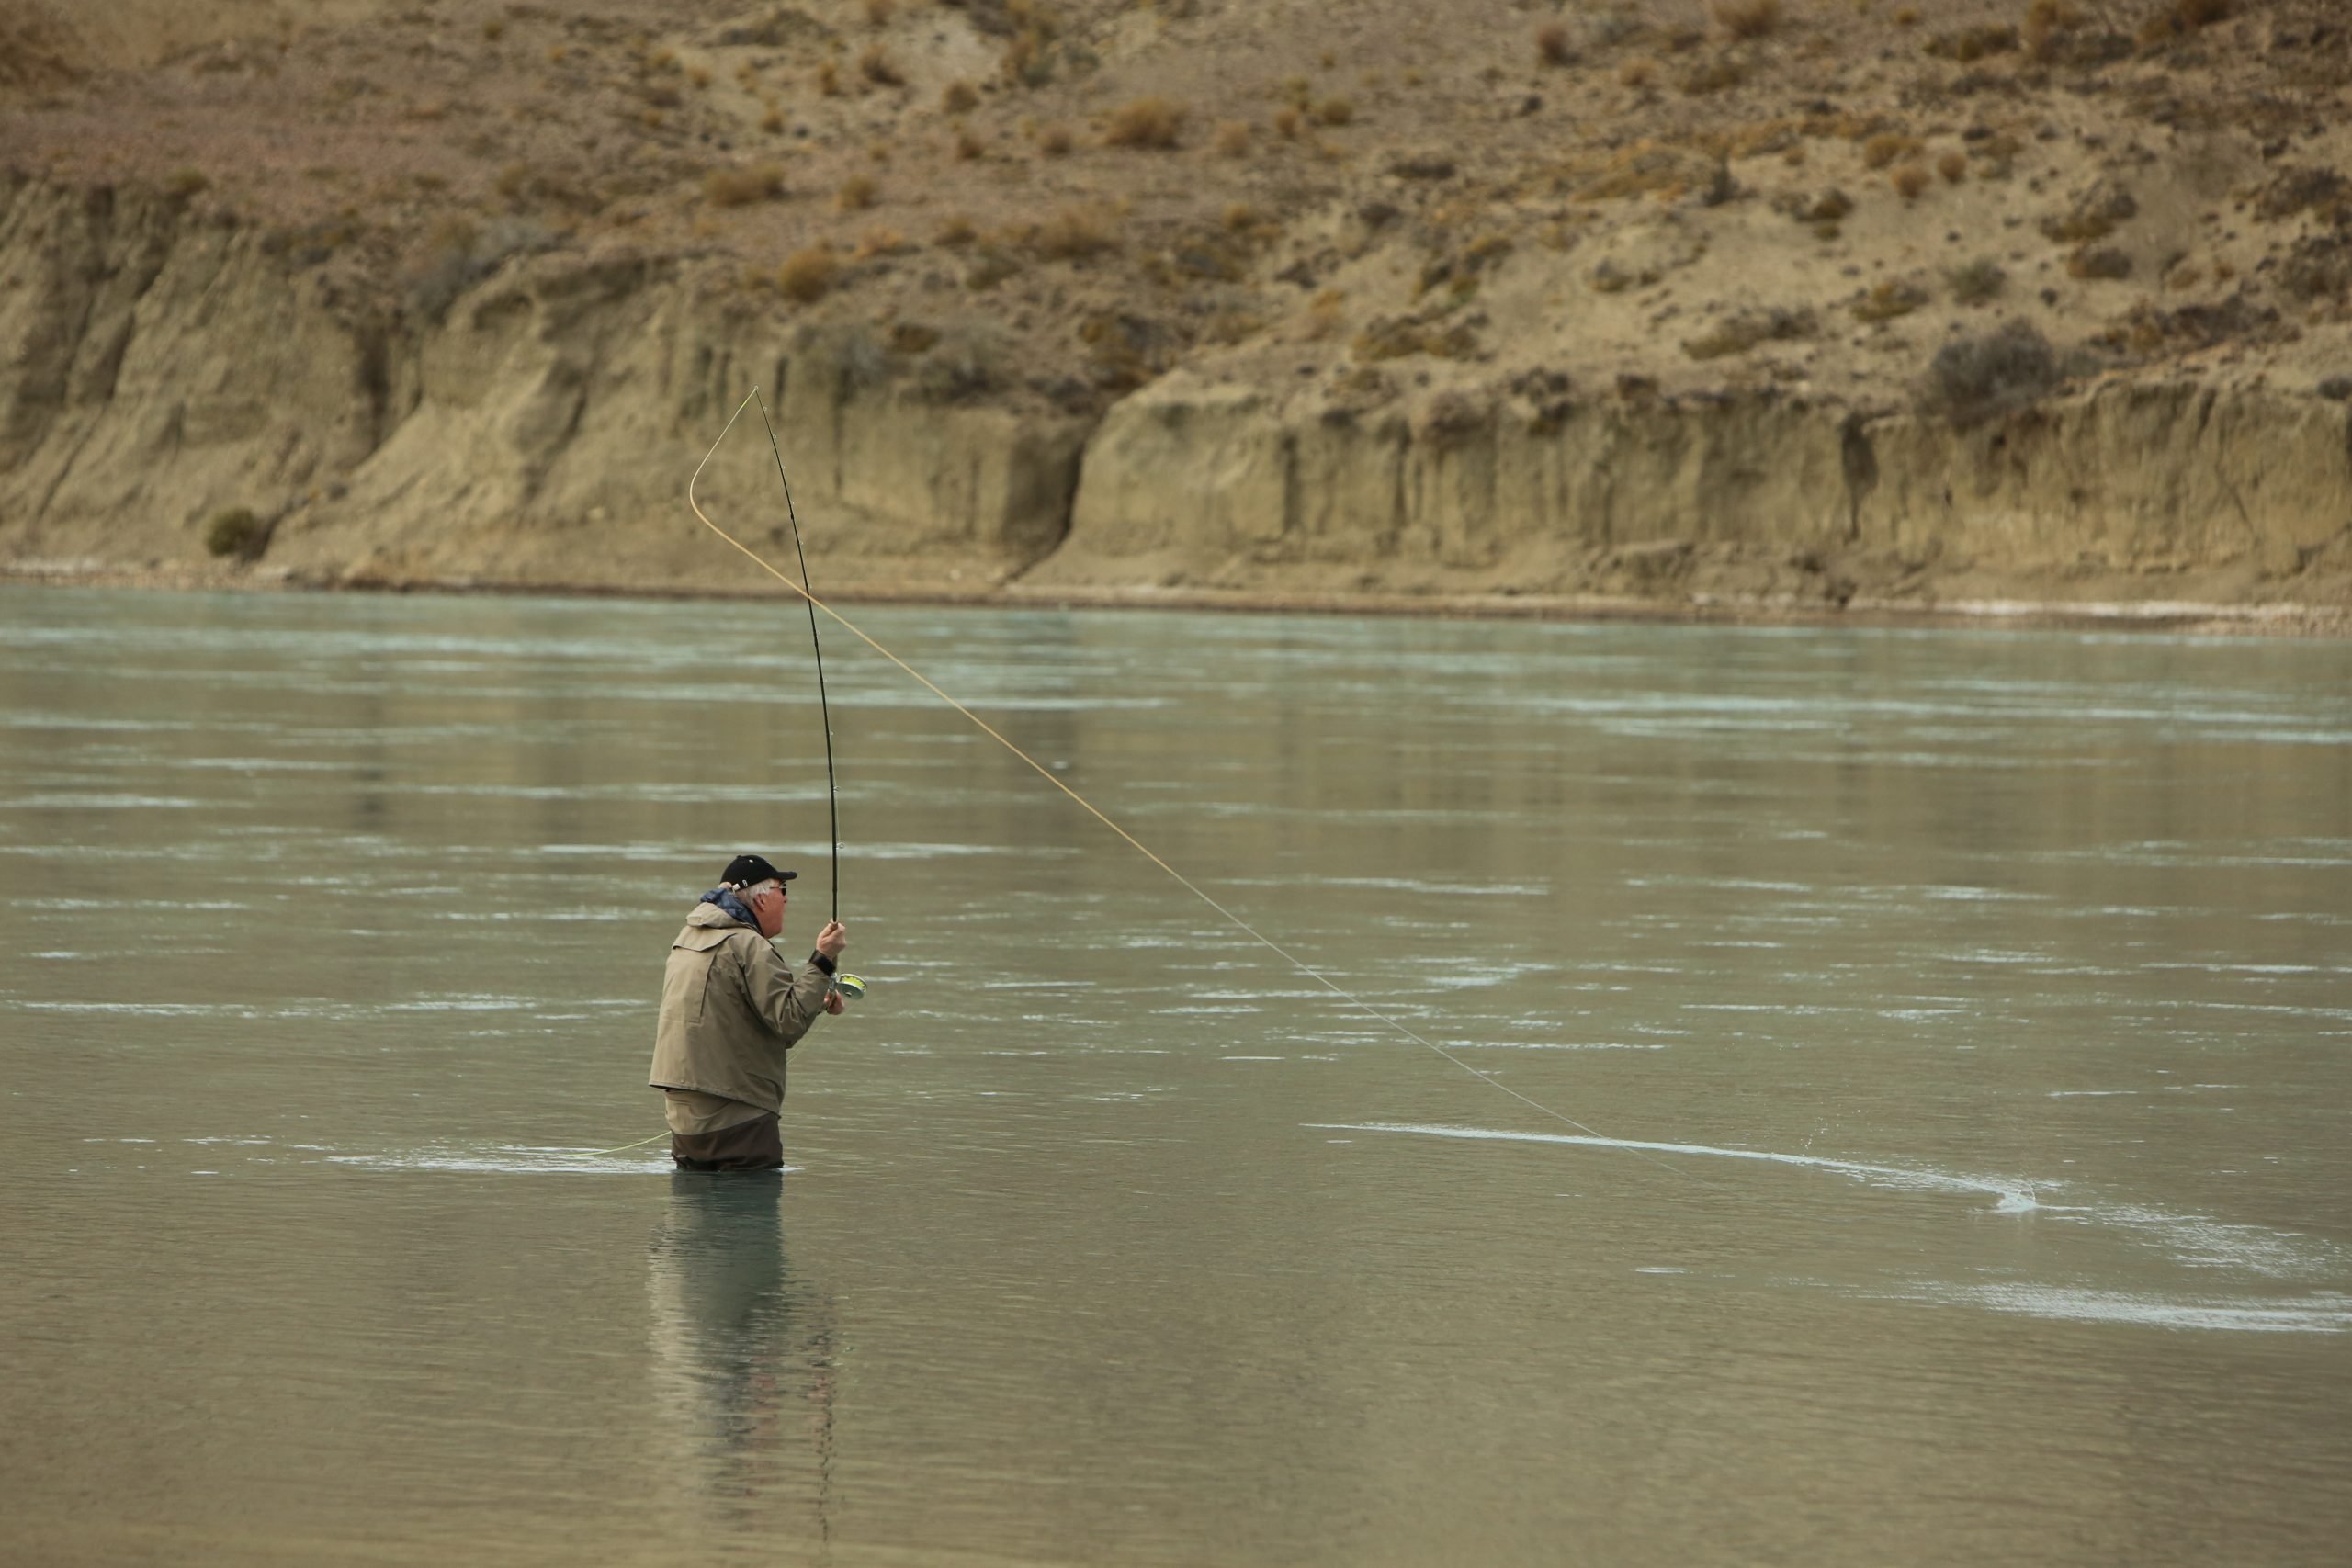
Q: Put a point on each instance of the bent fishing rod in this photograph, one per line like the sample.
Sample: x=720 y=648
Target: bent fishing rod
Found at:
x=815 y=604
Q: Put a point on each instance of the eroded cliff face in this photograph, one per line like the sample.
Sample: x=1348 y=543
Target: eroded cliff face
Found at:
x=2126 y=490
x=541 y=431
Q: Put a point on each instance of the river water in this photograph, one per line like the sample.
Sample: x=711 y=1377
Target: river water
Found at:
x=1915 y=1121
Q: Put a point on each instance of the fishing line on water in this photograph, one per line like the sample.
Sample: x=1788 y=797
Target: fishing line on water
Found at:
x=816 y=604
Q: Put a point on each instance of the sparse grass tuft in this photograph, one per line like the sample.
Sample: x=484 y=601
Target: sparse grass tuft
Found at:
x=1976 y=282
x=959 y=97
x=856 y=193
x=1287 y=122
x=773 y=120
x=876 y=66
x=1953 y=167
x=1638 y=71
x=1552 y=45
x=742 y=186
x=1336 y=110
x=1054 y=141
x=968 y=144
x=1233 y=138
x=956 y=231
x=1239 y=215
x=1910 y=180
x=1074 y=234
x=828 y=78
x=806 y=274
x=1152 y=122
x=880 y=241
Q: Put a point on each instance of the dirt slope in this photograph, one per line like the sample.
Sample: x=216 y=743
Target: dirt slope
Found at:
x=1817 y=303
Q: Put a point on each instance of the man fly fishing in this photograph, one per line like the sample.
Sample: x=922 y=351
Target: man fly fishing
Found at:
x=731 y=1007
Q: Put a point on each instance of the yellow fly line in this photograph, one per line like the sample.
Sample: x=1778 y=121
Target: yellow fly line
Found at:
x=1091 y=809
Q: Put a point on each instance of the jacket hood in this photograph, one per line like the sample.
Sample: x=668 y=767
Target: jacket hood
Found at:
x=712 y=915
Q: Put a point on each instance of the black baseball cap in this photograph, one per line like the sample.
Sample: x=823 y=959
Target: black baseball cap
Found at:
x=744 y=870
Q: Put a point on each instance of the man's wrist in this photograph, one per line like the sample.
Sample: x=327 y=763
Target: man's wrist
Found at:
x=823 y=964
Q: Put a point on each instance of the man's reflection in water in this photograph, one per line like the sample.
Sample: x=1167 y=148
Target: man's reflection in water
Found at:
x=743 y=1353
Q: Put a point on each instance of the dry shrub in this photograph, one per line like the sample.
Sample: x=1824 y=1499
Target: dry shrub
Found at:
x=699 y=75
x=236 y=531
x=1906 y=16
x=1054 y=141
x=877 y=12
x=1151 y=122
x=1969 y=45
x=1953 y=167
x=1974 y=283
x=1233 y=138
x=959 y=97
x=2094 y=216
x=1745 y=19
x=1888 y=300
x=806 y=274
x=956 y=231
x=742 y=186
x=2102 y=262
x=1239 y=215
x=1336 y=110
x=773 y=120
x=968 y=145
x=876 y=66
x=1287 y=122
x=2046 y=21
x=1073 y=235
x=829 y=79
x=1713 y=76
x=494 y=29
x=856 y=193
x=1887 y=146
x=1328 y=313
x=880 y=241
x=1738 y=334
x=1552 y=45
x=1910 y=180
x=2175 y=17
x=1639 y=72
x=1993 y=374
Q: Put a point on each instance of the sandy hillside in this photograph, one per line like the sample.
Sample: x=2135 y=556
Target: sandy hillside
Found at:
x=1367 y=211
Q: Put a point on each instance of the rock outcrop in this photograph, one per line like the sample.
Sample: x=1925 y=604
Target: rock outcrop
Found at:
x=541 y=433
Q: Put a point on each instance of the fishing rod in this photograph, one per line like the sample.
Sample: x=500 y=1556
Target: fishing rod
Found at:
x=816 y=604
x=816 y=645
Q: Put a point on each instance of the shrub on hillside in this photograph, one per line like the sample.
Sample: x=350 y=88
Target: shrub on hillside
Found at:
x=1152 y=122
x=741 y=187
x=236 y=531
x=806 y=274
x=1745 y=19
x=1991 y=375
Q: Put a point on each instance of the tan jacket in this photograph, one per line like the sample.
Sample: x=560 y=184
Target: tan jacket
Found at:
x=730 y=1008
